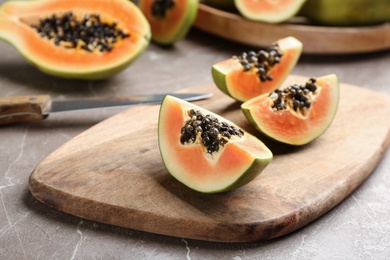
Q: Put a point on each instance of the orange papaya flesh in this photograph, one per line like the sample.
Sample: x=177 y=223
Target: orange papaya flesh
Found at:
x=296 y=126
x=269 y=11
x=169 y=23
x=233 y=80
x=19 y=19
x=235 y=163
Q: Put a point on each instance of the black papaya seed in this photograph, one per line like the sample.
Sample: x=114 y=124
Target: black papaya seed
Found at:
x=160 y=7
x=213 y=133
x=295 y=96
x=90 y=33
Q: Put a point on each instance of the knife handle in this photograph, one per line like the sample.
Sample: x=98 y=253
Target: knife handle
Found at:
x=24 y=109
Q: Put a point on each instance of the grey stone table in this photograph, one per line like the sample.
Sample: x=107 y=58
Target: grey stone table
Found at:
x=358 y=228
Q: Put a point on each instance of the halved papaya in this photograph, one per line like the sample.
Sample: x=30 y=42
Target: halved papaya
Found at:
x=297 y=114
x=205 y=151
x=254 y=73
x=76 y=39
x=270 y=11
x=170 y=20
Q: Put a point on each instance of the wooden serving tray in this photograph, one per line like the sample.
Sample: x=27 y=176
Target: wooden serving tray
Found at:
x=113 y=173
x=315 y=39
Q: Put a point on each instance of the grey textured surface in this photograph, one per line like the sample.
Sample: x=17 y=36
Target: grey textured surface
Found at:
x=358 y=228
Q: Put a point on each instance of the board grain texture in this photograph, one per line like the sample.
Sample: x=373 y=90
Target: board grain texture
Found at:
x=315 y=39
x=113 y=173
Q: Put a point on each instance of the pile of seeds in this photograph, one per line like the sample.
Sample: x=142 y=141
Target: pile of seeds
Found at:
x=262 y=61
x=211 y=133
x=160 y=7
x=88 y=33
x=295 y=97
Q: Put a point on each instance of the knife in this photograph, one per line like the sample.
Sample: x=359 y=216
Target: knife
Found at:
x=38 y=107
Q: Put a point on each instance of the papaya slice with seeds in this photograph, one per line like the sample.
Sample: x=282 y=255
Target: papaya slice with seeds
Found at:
x=76 y=39
x=205 y=151
x=297 y=114
x=242 y=83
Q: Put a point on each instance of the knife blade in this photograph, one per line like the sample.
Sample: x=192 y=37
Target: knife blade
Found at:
x=38 y=107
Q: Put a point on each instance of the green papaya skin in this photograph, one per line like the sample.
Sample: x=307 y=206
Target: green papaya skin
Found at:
x=346 y=12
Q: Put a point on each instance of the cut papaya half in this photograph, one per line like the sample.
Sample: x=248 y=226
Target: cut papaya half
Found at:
x=206 y=152
x=269 y=11
x=297 y=114
x=253 y=73
x=170 y=20
x=76 y=39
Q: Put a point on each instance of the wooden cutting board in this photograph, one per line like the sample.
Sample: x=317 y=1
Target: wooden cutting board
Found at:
x=113 y=173
x=315 y=39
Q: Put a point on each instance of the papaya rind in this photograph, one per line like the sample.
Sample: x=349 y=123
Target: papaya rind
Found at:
x=306 y=138
x=257 y=165
x=219 y=77
x=269 y=16
x=254 y=170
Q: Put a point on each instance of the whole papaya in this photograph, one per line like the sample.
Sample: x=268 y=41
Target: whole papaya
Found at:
x=347 y=12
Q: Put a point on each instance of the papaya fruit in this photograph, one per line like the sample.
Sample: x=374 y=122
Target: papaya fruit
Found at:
x=205 y=151
x=76 y=39
x=298 y=114
x=170 y=20
x=252 y=73
x=346 y=12
x=275 y=11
